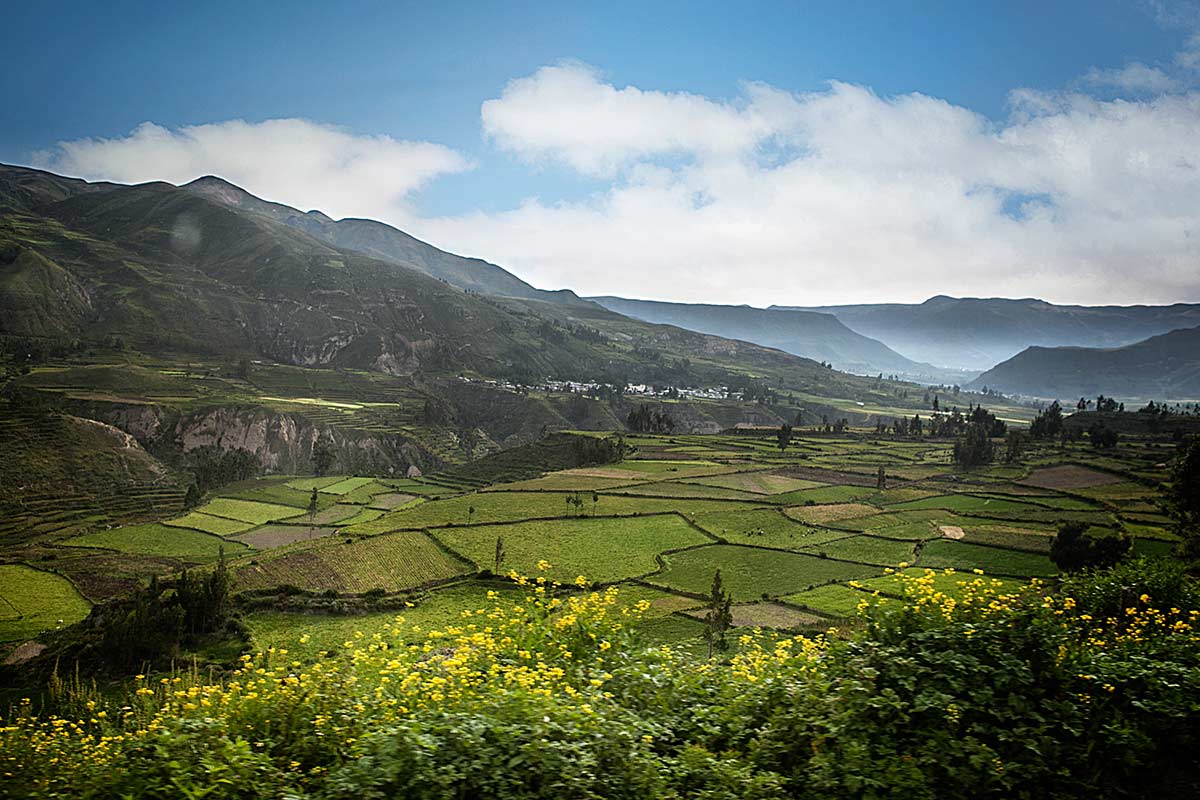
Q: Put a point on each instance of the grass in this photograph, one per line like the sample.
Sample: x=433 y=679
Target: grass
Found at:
x=281 y=494
x=345 y=486
x=602 y=550
x=823 y=514
x=963 y=555
x=757 y=482
x=825 y=494
x=392 y=563
x=33 y=601
x=210 y=524
x=159 y=540
x=948 y=581
x=689 y=490
x=249 y=511
x=269 y=536
x=768 y=615
x=308 y=484
x=835 y=599
x=749 y=572
x=491 y=507
x=329 y=634
x=766 y=527
x=869 y=549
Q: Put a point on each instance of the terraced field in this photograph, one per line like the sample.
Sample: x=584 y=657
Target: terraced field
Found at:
x=33 y=601
x=800 y=538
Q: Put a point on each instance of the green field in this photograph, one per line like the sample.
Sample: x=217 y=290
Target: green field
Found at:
x=602 y=550
x=249 y=511
x=766 y=527
x=750 y=572
x=159 y=540
x=210 y=524
x=392 y=563
x=33 y=601
x=835 y=599
x=962 y=555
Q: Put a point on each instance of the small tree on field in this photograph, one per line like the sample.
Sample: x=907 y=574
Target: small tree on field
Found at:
x=192 y=498
x=718 y=617
x=784 y=436
x=470 y=514
x=312 y=505
x=974 y=447
x=1072 y=549
x=1014 y=446
x=881 y=479
x=595 y=500
x=498 y=561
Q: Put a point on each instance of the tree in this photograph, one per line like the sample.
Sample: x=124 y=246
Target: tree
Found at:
x=470 y=514
x=312 y=505
x=974 y=447
x=784 y=436
x=192 y=498
x=718 y=617
x=881 y=479
x=1048 y=424
x=1102 y=436
x=595 y=500
x=498 y=560
x=1182 y=498
x=322 y=455
x=1073 y=549
x=1015 y=446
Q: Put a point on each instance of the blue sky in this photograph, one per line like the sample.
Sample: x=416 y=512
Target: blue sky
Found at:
x=420 y=72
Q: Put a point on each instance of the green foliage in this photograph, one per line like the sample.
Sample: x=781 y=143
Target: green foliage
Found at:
x=1182 y=495
x=1048 y=424
x=33 y=601
x=974 y=447
x=718 y=616
x=323 y=455
x=1073 y=549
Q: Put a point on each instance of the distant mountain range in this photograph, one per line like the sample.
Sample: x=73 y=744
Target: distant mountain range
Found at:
x=806 y=333
x=978 y=333
x=1165 y=367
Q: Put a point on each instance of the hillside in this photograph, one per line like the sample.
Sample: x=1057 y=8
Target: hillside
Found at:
x=978 y=333
x=381 y=241
x=804 y=333
x=1161 y=367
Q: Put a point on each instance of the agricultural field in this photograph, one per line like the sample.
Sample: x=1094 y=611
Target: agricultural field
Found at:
x=800 y=537
x=33 y=601
x=159 y=540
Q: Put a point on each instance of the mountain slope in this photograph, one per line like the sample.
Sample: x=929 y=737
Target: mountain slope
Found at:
x=1161 y=367
x=818 y=336
x=977 y=333
x=380 y=241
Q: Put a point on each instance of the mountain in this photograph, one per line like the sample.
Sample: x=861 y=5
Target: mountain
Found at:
x=1165 y=367
x=170 y=271
x=977 y=333
x=805 y=333
x=380 y=241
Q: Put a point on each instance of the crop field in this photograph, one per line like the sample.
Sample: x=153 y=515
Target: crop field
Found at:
x=800 y=537
x=249 y=511
x=159 y=540
x=868 y=550
x=757 y=482
x=210 y=524
x=832 y=512
x=834 y=599
x=751 y=572
x=765 y=527
x=33 y=601
x=992 y=560
x=267 y=537
x=394 y=562
x=602 y=550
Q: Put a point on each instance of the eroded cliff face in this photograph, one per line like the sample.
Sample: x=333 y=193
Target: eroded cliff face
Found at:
x=282 y=442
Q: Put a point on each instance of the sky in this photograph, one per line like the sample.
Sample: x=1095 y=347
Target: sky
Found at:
x=799 y=153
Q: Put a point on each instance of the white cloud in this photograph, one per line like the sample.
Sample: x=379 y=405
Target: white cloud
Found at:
x=565 y=112
x=833 y=196
x=1135 y=78
x=843 y=195
x=292 y=161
